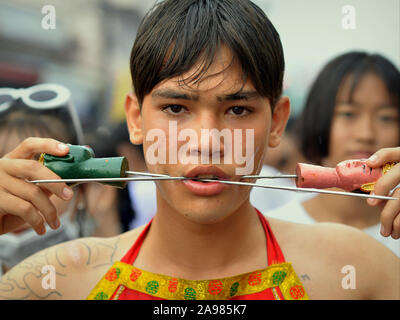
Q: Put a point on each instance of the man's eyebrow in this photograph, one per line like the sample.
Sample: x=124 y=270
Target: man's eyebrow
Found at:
x=241 y=95
x=173 y=94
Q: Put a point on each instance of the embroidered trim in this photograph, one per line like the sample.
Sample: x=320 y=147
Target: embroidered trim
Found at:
x=166 y=287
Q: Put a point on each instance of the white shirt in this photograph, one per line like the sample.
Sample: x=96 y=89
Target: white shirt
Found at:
x=144 y=202
x=295 y=212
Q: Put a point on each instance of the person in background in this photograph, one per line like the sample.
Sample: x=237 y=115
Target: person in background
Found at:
x=352 y=110
x=44 y=111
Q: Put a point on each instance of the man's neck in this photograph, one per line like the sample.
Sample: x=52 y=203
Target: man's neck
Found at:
x=179 y=247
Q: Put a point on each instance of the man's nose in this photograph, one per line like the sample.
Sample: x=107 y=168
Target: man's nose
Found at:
x=212 y=138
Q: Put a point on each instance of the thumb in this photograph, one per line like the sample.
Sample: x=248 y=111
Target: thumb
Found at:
x=28 y=148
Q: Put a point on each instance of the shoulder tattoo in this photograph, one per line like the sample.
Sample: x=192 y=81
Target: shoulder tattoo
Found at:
x=31 y=278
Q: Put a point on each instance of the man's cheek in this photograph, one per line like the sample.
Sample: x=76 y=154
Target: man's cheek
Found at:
x=252 y=153
x=244 y=152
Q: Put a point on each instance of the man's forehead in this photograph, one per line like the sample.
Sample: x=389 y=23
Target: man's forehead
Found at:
x=224 y=75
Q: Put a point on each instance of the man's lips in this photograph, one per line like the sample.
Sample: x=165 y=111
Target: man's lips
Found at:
x=206 y=188
x=207 y=171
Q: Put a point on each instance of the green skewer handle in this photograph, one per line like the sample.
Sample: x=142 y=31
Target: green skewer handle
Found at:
x=80 y=163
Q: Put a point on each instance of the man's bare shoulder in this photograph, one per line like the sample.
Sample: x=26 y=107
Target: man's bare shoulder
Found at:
x=325 y=252
x=77 y=265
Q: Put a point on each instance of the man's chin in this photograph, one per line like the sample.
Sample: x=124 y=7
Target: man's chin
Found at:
x=205 y=217
x=198 y=208
x=206 y=211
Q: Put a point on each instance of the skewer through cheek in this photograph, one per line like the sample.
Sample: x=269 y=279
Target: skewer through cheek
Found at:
x=80 y=166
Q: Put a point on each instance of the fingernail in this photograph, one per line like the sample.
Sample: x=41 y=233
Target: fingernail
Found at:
x=42 y=229
x=373 y=158
x=62 y=147
x=55 y=224
x=67 y=193
x=383 y=231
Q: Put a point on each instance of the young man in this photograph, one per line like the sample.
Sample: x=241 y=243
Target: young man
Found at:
x=197 y=65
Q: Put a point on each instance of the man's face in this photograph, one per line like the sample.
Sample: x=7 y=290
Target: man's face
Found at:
x=184 y=116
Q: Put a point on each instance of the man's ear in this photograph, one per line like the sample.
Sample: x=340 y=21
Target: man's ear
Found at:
x=133 y=119
x=280 y=118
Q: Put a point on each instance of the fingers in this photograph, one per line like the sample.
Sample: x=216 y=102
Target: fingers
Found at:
x=389 y=180
x=30 y=202
x=37 y=197
x=33 y=170
x=386 y=183
x=9 y=223
x=383 y=156
x=390 y=217
x=22 y=201
x=396 y=227
x=32 y=146
x=18 y=211
x=390 y=213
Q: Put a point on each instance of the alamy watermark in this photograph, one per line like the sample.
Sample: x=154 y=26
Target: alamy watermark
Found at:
x=49 y=19
x=349 y=281
x=49 y=279
x=197 y=150
x=348 y=17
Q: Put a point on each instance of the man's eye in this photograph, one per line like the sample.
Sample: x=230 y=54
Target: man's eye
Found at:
x=239 y=111
x=174 y=109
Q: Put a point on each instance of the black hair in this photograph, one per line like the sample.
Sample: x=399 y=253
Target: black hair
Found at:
x=314 y=123
x=177 y=34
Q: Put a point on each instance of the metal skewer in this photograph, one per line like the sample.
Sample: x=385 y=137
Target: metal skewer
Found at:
x=137 y=173
x=106 y=179
x=165 y=177
x=312 y=190
x=279 y=176
x=283 y=176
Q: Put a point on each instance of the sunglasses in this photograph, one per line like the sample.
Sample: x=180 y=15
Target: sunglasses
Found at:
x=42 y=97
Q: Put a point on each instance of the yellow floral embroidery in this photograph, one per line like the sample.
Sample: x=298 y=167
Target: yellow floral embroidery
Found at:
x=123 y=275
